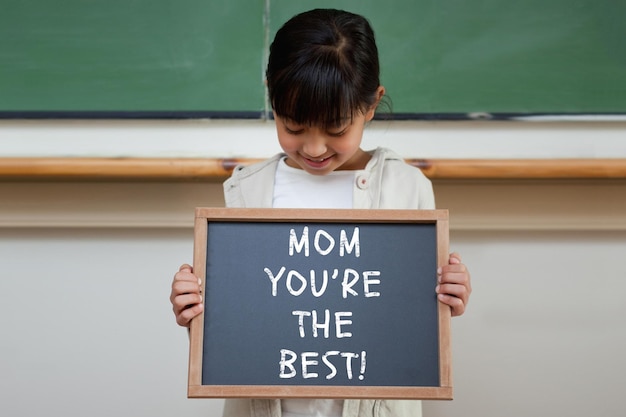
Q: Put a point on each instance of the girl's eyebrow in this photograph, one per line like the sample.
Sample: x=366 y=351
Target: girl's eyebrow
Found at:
x=289 y=120
x=343 y=122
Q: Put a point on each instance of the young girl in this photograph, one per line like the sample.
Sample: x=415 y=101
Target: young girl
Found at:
x=323 y=82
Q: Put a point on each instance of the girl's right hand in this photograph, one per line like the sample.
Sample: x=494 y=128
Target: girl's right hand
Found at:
x=185 y=296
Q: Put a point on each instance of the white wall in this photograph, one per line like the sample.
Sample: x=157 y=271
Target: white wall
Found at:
x=544 y=334
x=257 y=139
x=86 y=271
x=87 y=328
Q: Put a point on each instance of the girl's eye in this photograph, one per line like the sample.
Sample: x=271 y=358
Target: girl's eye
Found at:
x=339 y=133
x=293 y=131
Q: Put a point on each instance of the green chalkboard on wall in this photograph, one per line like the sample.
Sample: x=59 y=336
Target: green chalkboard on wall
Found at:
x=119 y=56
x=196 y=58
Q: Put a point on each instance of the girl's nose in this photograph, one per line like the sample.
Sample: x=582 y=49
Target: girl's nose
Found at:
x=314 y=146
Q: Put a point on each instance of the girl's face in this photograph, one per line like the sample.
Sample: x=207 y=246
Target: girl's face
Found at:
x=320 y=151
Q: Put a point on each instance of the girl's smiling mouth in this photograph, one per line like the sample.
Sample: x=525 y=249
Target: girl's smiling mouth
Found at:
x=317 y=163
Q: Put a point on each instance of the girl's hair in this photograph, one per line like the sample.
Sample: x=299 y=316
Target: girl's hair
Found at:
x=323 y=68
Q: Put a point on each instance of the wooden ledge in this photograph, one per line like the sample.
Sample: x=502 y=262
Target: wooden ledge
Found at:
x=217 y=169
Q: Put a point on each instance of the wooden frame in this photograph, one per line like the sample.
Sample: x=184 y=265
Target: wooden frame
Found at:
x=204 y=216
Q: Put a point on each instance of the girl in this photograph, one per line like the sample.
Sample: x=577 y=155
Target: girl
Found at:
x=323 y=83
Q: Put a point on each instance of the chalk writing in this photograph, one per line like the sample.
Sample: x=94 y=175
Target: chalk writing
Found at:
x=310 y=365
x=324 y=324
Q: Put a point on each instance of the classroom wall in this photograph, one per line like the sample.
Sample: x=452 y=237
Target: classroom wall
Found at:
x=87 y=266
x=558 y=137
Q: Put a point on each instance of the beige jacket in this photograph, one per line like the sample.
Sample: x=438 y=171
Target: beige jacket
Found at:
x=387 y=182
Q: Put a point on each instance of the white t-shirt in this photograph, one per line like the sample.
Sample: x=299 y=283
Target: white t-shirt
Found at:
x=295 y=188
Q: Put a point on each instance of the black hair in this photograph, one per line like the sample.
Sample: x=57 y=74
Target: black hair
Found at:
x=323 y=68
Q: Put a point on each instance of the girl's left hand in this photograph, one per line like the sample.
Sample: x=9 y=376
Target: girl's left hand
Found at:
x=454 y=287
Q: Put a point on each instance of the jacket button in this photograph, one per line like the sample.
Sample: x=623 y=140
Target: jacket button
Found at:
x=362 y=182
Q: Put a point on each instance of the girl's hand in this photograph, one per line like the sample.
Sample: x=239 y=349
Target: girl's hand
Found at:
x=185 y=296
x=454 y=286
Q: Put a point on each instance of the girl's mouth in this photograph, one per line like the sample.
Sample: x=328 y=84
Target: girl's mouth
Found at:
x=317 y=163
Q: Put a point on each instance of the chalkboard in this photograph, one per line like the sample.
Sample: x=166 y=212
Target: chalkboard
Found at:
x=192 y=59
x=320 y=303
x=141 y=58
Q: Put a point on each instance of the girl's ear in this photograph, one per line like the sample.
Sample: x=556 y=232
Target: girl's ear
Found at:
x=380 y=93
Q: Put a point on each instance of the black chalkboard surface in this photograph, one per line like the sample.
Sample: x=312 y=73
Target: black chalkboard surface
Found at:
x=320 y=303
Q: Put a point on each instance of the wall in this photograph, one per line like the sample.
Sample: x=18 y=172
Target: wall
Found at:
x=86 y=269
x=593 y=137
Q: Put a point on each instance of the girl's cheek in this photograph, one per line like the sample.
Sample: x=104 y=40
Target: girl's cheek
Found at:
x=287 y=144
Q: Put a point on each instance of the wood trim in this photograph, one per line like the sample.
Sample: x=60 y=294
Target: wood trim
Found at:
x=522 y=168
x=217 y=169
x=445 y=313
